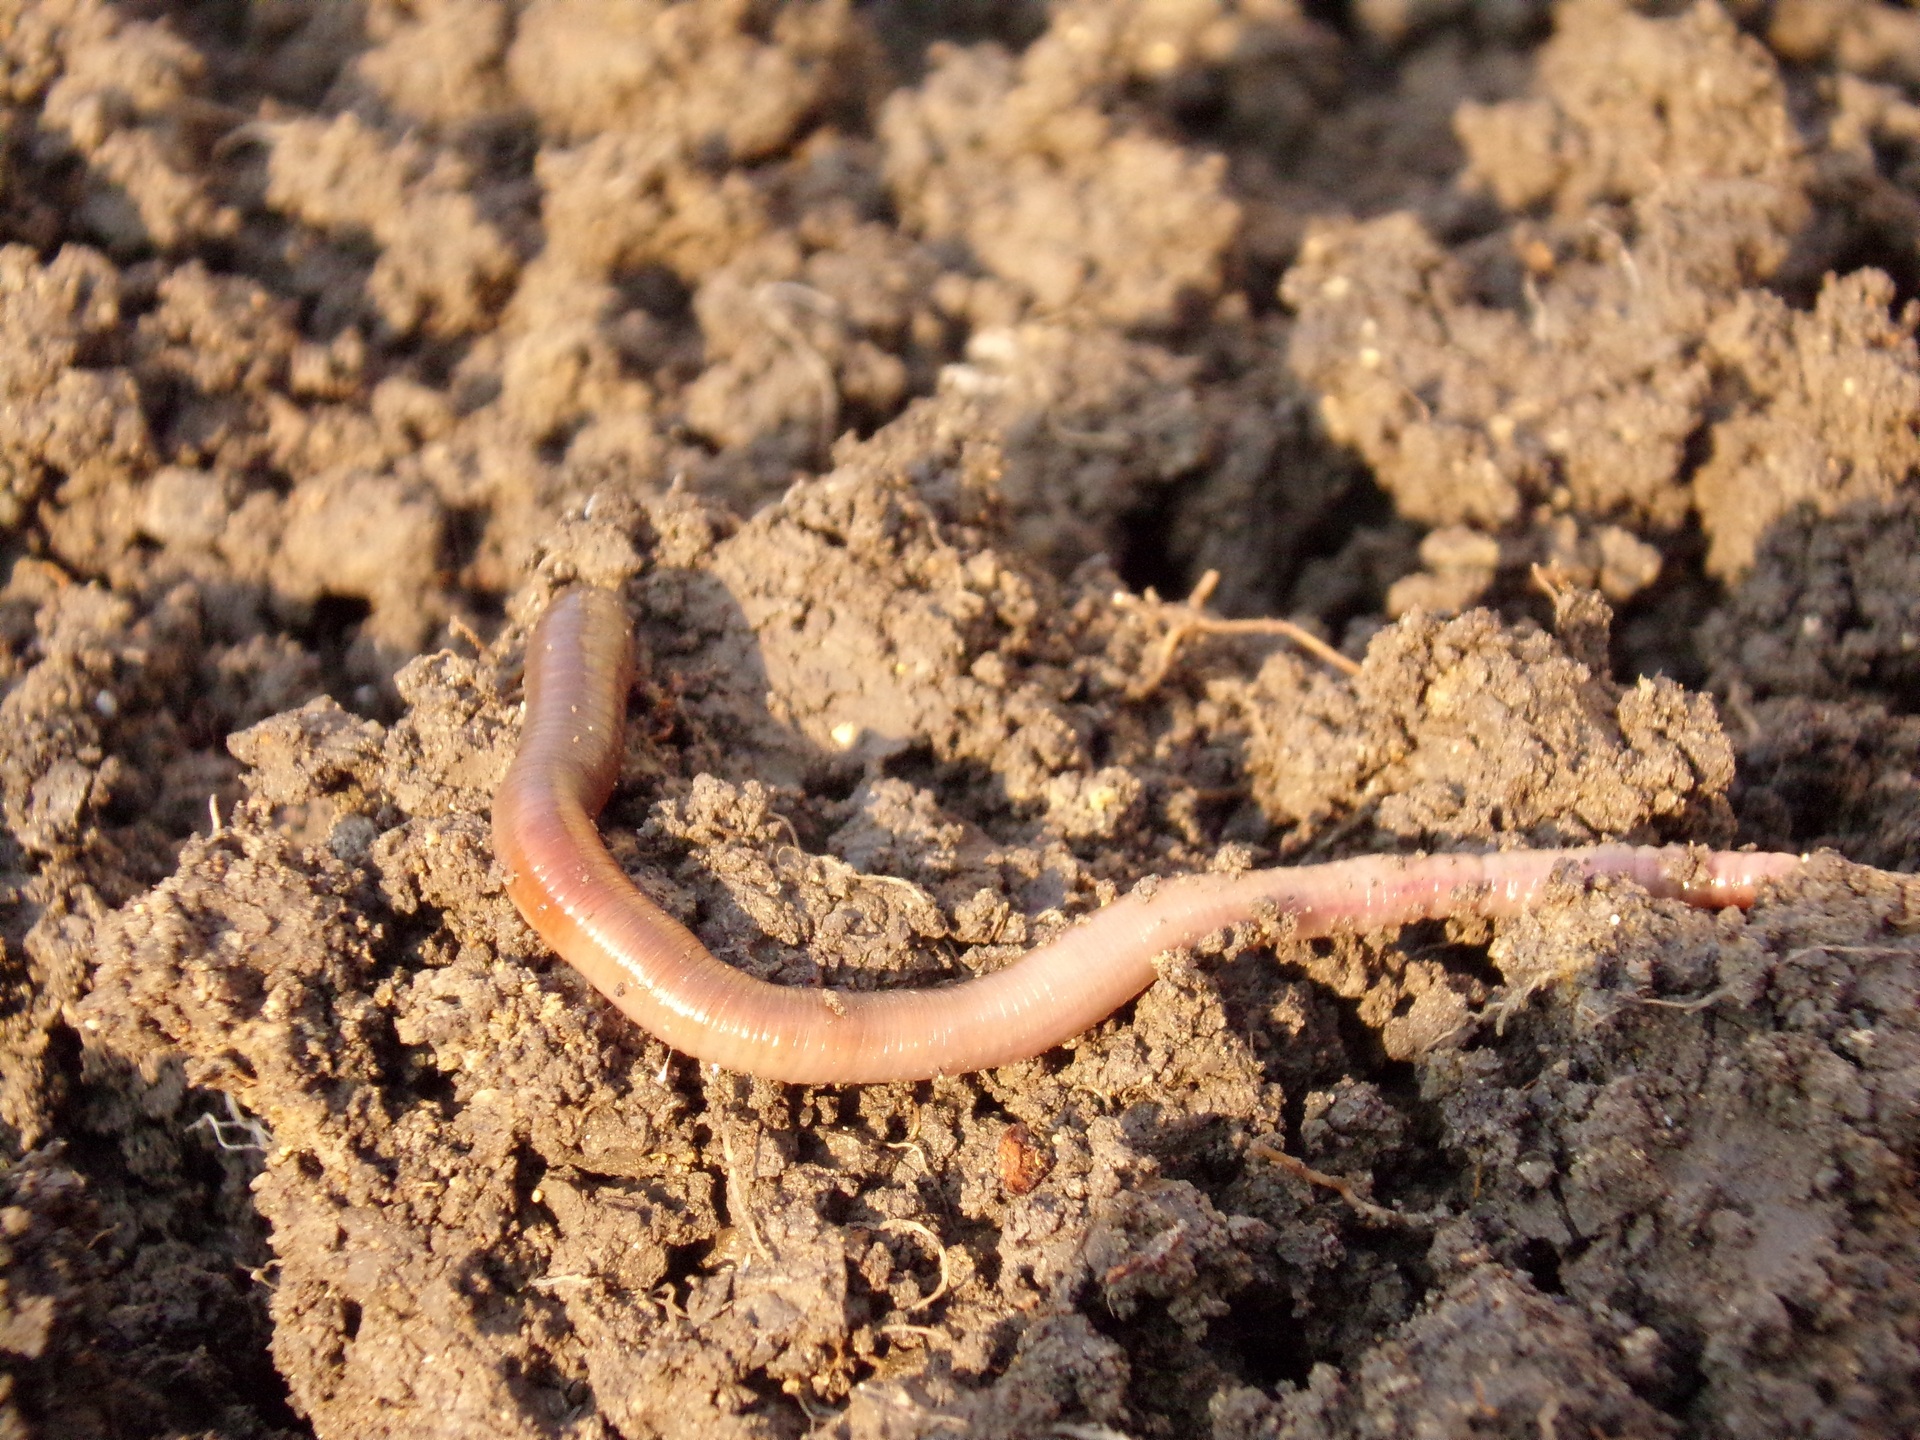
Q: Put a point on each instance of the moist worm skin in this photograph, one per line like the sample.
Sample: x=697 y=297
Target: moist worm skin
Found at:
x=579 y=668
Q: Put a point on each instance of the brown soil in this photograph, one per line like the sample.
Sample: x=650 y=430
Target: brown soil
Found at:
x=898 y=359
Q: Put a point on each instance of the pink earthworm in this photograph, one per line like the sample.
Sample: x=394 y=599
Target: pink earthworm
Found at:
x=578 y=671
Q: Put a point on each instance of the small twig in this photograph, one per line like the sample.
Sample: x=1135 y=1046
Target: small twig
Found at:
x=1548 y=580
x=662 y=1295
x=814 y=1417
x=899 y=882
x=740 y=1194
x=553 y=1282
x=255 y=1133
x=1099 y=442
x=1267 y=1149
x=1149 y=1259
x=1539 y=317
x=793 y=835
x=912 y=1147
x=1273 y=625
x=1699 y=1002
x=458 y=628
x=252 y=132
x=1193 y=621
x=912 y=1144
x=1621 y=250
x=946 y=1277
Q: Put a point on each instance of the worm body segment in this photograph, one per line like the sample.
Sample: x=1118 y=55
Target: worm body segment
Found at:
x=578 y=670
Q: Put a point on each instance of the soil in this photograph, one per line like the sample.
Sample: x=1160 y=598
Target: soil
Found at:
x=909 y=365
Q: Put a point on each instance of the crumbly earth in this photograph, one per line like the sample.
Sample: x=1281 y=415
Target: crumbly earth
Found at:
x=906 y=364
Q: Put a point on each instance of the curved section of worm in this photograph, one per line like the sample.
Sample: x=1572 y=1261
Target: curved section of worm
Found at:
x=578 y=671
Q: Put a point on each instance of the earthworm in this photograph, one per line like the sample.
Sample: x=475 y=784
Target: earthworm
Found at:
x=579 y=668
